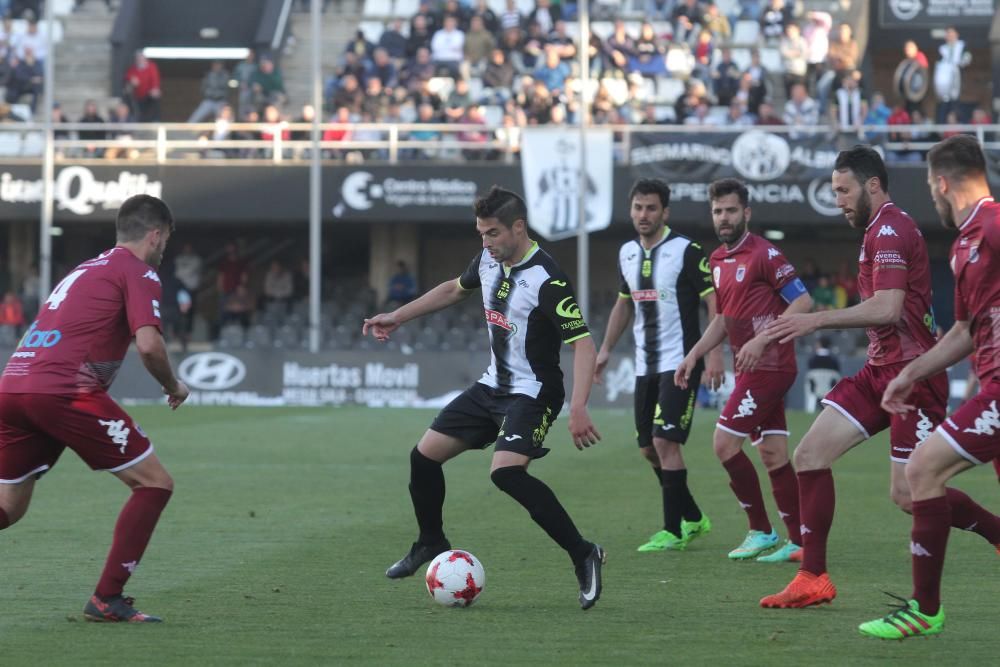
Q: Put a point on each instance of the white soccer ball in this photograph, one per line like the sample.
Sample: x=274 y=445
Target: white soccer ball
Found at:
x=455 y=578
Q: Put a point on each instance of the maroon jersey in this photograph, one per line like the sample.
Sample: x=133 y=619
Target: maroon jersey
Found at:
x=894 y=256
x=85 y=326
x=748 y=281
x=975 y=261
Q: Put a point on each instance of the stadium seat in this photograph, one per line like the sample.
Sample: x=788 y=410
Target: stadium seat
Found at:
x=32 y=144
x=663 y=29
x=260 y=336
x=771 y=60
x=442 y=86
x=404 y=9
x=8 y=335
x=289 y=337
x=494 y=114
x=498 y=6
x=10 y=143
x=742 y=58
x=746 y=33
x=231 y=336
x=377 y=8
x=62 y=7
x=372 y=29
x=602 y=29
x=668 y=89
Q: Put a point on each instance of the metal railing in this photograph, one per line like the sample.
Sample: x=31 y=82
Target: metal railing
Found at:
x=393 y=143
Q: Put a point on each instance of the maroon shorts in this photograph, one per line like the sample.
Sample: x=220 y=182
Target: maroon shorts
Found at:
x=757 y=405
x=859 y=399
x=974 y=429
x=35 y=428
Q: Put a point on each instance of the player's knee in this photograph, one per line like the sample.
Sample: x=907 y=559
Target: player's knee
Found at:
x=650 y=455
x=805 y=458
x=918 y=476
x=773 y=457
x=506 y=479
x=902 y=499
x=724 y=447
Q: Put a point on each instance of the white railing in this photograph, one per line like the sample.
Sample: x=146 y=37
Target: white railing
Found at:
x=170 y=143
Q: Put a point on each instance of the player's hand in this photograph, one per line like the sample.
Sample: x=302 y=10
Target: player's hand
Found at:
x=789 y=327
x=380 y=326
x=603 y=356
x=750 y=354
x=895 y=395
x=582 y=428
x=683 y=372
x=715 y=370
x=177 y=396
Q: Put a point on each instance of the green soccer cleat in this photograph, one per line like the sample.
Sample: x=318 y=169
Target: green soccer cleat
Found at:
x=788 y=553
x=693 y=529
x=904 y=622
x=754 y=544
x=664 y=540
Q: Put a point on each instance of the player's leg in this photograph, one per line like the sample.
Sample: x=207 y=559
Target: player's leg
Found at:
x=14 y=500
x=743 y=480
x=25 y=454
x=927 y=472
x=524 y=428
x=773 y=451
x=647 y=410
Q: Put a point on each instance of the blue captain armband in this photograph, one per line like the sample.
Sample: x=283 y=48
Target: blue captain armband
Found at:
x=793 y=290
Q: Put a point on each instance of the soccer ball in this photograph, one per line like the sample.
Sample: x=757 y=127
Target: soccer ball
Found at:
x=455 y=578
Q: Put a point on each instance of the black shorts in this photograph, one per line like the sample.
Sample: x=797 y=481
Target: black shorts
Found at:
x=662 y=409
x=481 y=416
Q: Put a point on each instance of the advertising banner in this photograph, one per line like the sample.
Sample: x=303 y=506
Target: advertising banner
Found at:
x=935 y=13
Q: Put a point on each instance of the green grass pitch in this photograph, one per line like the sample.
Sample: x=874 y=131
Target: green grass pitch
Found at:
x=283 y=521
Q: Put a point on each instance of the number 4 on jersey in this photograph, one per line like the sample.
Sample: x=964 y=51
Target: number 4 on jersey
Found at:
x=61 y=291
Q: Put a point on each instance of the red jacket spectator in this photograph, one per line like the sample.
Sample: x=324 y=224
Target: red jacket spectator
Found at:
x=11 y=311
x=144 y=77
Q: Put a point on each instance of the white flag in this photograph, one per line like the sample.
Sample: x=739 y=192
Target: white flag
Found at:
x=550 y=164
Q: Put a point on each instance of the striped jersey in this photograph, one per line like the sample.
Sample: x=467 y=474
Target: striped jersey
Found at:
x=530 y=311
x=666 y=284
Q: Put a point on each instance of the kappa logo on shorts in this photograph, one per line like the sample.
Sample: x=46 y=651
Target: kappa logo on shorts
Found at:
x=924 y=426
x=747 y=406
x=988 y=422
x=117 y=432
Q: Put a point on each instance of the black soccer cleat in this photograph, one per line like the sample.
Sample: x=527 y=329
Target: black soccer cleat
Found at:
x=417 y=556
x=588 y=573
x=116 y=609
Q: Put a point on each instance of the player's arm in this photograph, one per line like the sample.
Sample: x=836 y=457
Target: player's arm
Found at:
x=712 y=339
x=580 y=425
x=153 y=352
x=885 y=307
x=952 y=348
x=715 y=367
x=799 y=302
x=446 y=294
x=618 y=321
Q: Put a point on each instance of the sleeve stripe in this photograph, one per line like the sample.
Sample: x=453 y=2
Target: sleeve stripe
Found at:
x=576 y=338
x=706 y=291
x=458 y=281
x=622 y=295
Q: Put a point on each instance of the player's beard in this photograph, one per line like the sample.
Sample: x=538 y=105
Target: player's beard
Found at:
x=653 y=232
x=862 y=211
x=156 y=255
x=945 y=211
x=734 y=233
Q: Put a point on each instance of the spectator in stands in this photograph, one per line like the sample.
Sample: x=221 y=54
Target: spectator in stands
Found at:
x=214 y=93
x=773 y=21
x=557 y=116
x=948 y=72
x=77 y=4
x=951 y=119
x=767 y=116
x=695 y=94
x=446 y=48
x=458 y=101
x=537 y=102
x=376 y=100
x=419 y=71
x=800 y=110
x=822 y=356
x=621 y=49
x=878 y=114
x=532 y=47
x=511 y=41
x=700 y=116
x=347 y=94
x=758 y=76
x=142 y=89
x=794 y=53
x=424 y=95
x=243 y=74
x=222 y=130
x=479 y=43
x=341 y=133
x=276 y=126
x=455 y=9
x=30 y=39
x=402 y=286
x=703 y=50
x=490 y=20
x=91 y=115
x=187 y=271
x=545 y=14
x=278 y=286
x=726 y=79
x=426 y=16
x=267 y=85
x=662 y=10
x=842 y=54
x=498 y=77
x=511 y=17
x=717 y=23
x=12 y=312
x=650 y=58
x=393 y=41
x=121 y=113
x=25 y=78
x=425 y=115
x=383 y=69
x=688 y=21
x=848 y=110
x=563 y=42
x=360 y=46
x=475 y=116
x=239 y=305
x=232 y=271
x=509 y=134
x=822 y=295
x=912 y=52
x=420 y=36
x=553 y=72
x=738 y=115
x=817 y=35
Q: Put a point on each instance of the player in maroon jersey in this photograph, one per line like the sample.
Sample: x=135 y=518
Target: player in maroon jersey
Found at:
x=53 y=392
x=969 y=437
x=894 y=281
x=754 y=283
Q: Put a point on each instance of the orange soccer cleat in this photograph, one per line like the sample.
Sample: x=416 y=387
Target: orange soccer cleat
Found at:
x=805 y=590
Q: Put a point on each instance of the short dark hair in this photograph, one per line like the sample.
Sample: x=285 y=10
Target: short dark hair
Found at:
x=958 y=157
x=506 y=206
x=864 y=162
x=140 y=214
x=651 y=186
x=727 y=186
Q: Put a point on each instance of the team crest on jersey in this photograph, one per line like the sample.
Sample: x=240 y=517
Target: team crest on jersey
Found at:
x=973 y=254
x=741 y=272
x=647 y=268
x=716 y=275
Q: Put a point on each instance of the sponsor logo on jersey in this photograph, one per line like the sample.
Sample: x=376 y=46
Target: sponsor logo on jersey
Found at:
x=741 y=272
x=886 y=230
x=647 y=268
x=889 y=257
x=703 y=265
x=35 y=337
x=568 y=309
x=772 y=253
x=783 y=271
x=151 y=274
x=645 y=295
x=497 y=318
